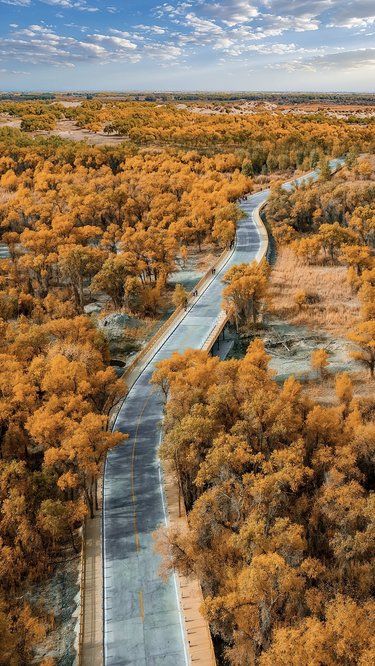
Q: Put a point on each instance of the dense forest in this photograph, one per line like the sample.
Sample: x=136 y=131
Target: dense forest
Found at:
x=279 y=495
x=272 y=140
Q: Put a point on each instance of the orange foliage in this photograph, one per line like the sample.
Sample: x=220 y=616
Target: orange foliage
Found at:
x=280 y=513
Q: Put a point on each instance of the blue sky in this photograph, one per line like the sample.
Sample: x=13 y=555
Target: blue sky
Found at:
x=195 y=45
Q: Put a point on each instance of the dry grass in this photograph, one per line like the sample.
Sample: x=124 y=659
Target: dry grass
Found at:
x=337 y=308
x=323 y=391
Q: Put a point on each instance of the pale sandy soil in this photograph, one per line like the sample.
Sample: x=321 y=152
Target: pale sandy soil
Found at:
x=237 y=108
x=251 y=107
x=67 y=129
x=67 y=104
x=9 y=121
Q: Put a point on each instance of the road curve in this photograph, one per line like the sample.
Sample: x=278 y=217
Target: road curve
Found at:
x=142 y=620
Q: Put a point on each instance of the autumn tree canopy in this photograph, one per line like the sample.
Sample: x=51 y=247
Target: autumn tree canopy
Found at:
x=280 y=509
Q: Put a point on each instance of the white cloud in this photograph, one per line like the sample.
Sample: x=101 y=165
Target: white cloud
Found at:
x=231 y=12
x=202 y=26
x=19 y=3
x=39 y=44
x=354 y=22
x=113 y=41
x=330 y=13
x=233 y=31
x=80 y=5
x=12 y=71
x=163 y=52
x=344 y=61
x=156 y=29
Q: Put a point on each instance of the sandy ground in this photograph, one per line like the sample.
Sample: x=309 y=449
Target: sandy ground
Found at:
x=67 y=104
x=67 y=129
x=196 y=265
x=291 y=347
x=9 y=121
x=251 y=107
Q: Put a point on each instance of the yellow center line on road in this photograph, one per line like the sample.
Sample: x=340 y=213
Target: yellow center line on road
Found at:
x=141 y=605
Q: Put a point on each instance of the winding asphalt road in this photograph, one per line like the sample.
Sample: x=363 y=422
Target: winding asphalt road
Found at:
x=142 y=620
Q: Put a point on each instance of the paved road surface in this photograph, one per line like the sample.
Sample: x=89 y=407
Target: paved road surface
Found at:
x=4 y=252
x=142 y=623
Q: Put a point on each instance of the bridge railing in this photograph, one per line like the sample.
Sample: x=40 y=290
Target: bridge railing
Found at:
x=82 y=597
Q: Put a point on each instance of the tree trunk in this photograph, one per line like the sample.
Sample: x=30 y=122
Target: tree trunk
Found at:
x=90 y=499
x=96 y=495
x=72 y=540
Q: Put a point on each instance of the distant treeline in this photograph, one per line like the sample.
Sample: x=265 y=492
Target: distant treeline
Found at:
x=21 y=97
x=282 y=98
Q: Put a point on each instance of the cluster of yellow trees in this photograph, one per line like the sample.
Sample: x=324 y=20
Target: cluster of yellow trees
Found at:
x=280 y=524
x=332 y=221
x=35 y=115
x=56 y=393
x=82 y=220
x=245 y=293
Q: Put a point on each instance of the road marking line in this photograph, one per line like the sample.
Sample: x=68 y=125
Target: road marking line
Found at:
x=134 y=498
x=141 y=605
x=174 y=575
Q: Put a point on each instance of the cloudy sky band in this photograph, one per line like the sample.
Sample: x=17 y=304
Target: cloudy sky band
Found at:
x=201 y=44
